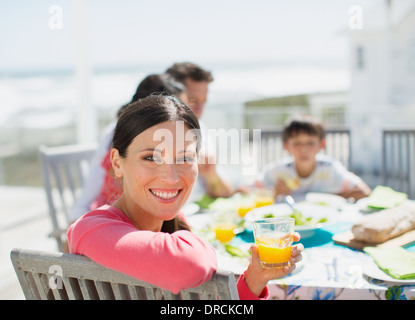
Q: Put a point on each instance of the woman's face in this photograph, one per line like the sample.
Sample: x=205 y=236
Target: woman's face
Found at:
x=159 y=170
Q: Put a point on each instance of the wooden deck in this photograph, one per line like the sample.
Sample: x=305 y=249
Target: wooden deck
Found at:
x=24 y=223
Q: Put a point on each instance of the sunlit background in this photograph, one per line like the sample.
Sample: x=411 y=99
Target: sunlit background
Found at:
x=67 y=66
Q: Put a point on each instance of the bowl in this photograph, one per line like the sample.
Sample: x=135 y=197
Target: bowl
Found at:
x=313 y=211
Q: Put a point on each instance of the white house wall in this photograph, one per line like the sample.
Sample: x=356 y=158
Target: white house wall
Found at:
x=381 y=95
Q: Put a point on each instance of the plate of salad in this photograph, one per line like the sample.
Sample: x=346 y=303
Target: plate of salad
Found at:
x=308 y=217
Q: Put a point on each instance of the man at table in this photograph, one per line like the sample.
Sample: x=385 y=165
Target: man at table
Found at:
x=211 y=178
x=307 y=170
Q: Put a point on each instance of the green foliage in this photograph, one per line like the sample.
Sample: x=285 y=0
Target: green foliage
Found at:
x=294 y=100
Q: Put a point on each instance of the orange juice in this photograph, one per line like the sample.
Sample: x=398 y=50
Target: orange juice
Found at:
x=264 y=197
x=263 y=201
x=272 y=252
x=242 y=211
x=225 y=232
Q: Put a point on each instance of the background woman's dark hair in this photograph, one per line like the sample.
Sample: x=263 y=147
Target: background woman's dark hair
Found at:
x=145 y=113
x=163 y=84
x=158 y=84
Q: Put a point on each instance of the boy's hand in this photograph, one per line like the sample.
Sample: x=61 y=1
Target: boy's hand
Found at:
x=281 y=188
x=357 y=192
x=293 y=183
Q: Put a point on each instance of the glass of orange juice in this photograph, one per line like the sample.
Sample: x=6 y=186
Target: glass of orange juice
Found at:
x=225 y=232
x=246 y=204
x=224 y=225
x=274 y=239
x=264 y=197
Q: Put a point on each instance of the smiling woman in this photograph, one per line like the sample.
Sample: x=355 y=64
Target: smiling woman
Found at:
x=143 y=233
x=157 y=177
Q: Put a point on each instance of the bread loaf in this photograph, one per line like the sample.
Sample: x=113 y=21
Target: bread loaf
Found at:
x=386 y=224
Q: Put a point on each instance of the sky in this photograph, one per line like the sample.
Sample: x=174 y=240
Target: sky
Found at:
x=131 y=32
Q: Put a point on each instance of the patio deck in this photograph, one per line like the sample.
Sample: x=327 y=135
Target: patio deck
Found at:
x=24 y=223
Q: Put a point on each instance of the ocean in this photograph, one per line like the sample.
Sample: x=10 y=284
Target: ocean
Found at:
x=48 y=99
x=41 y=107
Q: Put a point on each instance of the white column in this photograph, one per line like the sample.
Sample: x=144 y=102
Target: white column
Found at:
x=87 y=126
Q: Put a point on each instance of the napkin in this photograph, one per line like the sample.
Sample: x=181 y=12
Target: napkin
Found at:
x=384 y=197
x=396 y=262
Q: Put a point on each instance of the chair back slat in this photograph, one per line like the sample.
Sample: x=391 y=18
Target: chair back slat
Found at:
x=60 y=188
x=88 y=290
x=79 y=278
x=71 y=174
x=31 y=291
x=59 y=294
x=41 y=285
x=72 y=288
x=171 y=296
x=104 y=290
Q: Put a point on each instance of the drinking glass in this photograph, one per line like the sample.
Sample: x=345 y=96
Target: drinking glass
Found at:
x=274 y=238
x=246 y=204
x=224 y=225
x=264 y=197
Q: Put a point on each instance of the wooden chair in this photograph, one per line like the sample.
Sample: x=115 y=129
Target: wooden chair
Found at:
x=398 y=160
x=338 y=145
x=61 y=276
x=64 y=170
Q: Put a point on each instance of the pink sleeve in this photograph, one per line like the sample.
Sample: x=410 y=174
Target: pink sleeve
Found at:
x=246 y=294
x=172 y=261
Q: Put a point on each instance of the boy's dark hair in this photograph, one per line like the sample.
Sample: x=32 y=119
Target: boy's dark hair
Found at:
x=182 y=70
x=303 y=123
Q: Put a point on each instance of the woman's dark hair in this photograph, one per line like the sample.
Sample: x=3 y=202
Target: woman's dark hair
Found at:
x=163 y=84
x=145 y=113
x=303 y=123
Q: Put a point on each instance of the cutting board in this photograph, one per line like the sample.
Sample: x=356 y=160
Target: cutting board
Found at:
x=347 y=239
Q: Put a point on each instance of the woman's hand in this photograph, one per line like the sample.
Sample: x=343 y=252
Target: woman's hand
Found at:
x=257 y=277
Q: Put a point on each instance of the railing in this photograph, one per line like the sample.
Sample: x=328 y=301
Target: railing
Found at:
x=398 y=160
x=338 y=145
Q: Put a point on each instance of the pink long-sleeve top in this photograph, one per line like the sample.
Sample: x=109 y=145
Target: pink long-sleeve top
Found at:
x=172 y=261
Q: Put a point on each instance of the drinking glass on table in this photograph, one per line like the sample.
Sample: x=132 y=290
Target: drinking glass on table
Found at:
x=224 y=226
x=274 y=238
x=246 y=204
x=264 y=197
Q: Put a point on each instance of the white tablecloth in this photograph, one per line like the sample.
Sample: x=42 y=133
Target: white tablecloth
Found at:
x=328 y=271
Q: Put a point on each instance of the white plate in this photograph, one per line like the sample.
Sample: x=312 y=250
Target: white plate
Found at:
x=331 y=200
x=373 y=271
x=199 y=221
x=190 y=208
x=308 y=210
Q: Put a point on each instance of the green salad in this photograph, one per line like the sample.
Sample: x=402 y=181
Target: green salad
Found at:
x=300 y=219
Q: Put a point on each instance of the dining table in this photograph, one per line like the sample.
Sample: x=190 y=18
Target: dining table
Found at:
x=328 y=270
